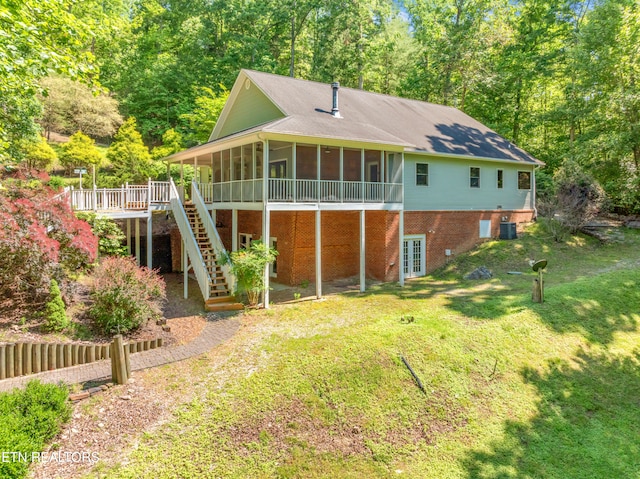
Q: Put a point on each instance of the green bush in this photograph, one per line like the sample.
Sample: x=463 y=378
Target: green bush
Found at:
x=55 y=313
x=125 y=295
x=56 y=182
x=110 y=236
x=248 y=266
x=28 y=420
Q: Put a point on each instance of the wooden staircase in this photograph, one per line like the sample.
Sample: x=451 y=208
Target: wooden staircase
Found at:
x=219 y=297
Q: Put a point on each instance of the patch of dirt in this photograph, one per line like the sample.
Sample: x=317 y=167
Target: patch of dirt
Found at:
x=104 y=426
x=292 y=424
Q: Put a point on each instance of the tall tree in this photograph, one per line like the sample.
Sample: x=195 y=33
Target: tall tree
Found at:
x=129 y=156
x=37 y=37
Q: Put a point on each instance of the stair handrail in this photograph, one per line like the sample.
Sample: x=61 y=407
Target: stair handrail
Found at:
x=189 y=240
x=212 y=233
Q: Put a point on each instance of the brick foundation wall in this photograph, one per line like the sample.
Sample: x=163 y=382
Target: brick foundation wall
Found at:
x=458 y=231
x=295 y=233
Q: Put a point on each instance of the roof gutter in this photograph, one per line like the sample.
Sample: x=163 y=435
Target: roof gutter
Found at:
x=537 y=162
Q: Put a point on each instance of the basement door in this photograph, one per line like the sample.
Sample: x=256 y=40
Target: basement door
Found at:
x=414 y=256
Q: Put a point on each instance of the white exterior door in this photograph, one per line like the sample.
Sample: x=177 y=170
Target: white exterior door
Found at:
x=414 y=256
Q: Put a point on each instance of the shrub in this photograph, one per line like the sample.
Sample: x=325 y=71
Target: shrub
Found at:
x=110 y=236
x=576 y=199
x=55 y=313
x=125 y=295
x=40 y=239
x=248 y=266
x=28 y=420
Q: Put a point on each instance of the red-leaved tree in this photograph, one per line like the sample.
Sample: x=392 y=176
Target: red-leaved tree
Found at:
x=40 y=239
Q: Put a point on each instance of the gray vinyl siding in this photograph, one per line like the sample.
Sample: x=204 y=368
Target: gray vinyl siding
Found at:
x=449 y=186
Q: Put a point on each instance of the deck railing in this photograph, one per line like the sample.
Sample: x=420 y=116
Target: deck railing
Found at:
x=127 y=197
x=302 y=191
x=141 y=197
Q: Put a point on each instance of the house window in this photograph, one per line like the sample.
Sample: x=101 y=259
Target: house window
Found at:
x=500 y=179
x=474 y=177
x=244 y=241
x=422 y=174
x=524 y=180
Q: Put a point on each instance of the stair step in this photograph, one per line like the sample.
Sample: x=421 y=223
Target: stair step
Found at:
x=226 y=306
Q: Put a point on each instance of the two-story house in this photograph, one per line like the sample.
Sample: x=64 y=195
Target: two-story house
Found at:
x=344 y=182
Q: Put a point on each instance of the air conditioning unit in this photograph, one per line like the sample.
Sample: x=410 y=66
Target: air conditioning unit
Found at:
x=508 y=231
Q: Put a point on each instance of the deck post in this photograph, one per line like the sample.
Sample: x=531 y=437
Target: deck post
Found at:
x=129 y=236
x=149 y=240
x=362 y=251
x=318 y=254
x=137 y=227
x=94 y=197
x=185 y=269
x=234 y=230
x=401 y=247
x=266 y=231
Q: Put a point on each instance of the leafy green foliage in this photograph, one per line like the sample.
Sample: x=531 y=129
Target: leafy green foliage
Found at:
x=55 y=314
x=248 y=267
x=124 y=295
x=80 y=150
x=129 y=156
x=110 y=236
x=39 y=155
x=208 y=106
x=171 y=143
x=38 y=37
x=30 y=418
x=71 y=106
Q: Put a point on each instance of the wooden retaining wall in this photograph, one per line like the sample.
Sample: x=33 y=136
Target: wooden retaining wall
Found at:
x=23 y=358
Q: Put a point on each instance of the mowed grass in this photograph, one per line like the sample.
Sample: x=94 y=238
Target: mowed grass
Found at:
x=513 y=389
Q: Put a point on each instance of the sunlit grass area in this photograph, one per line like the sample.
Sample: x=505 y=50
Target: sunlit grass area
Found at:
x=512 y=389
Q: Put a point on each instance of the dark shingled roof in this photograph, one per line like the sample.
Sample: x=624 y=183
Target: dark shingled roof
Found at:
x=418 y=126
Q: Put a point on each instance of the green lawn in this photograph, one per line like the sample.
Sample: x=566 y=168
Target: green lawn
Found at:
x=514 y=389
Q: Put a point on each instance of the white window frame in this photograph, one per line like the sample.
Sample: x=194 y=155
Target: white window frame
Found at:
x=472 y=177
x=422 y=174
x=530 y=180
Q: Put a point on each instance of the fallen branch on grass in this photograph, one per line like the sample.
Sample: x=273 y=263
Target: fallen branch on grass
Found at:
x=415 y=376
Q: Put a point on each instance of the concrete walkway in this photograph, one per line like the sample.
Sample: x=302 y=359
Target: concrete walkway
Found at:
x=213 y=334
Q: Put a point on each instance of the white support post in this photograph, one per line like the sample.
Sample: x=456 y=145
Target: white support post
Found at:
x=401 y=247
x=341 y=174
x=318 y=254
x=138 y=241
x=185 y=270
x=294 y=169
x=234 y=230
x=129 y=236
x=362 y=252
x=318 y=172
x=265 y=175
x=149 y=241
x=266 y=231
x=362 y=175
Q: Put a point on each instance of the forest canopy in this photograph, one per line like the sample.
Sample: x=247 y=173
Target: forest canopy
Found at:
x=557 y=77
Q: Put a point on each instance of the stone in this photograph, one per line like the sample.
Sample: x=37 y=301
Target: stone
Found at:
x=126 y=397
x=480 y=273
x=79 y=396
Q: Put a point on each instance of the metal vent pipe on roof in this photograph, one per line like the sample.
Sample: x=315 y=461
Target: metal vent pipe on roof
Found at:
x=334 y=110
